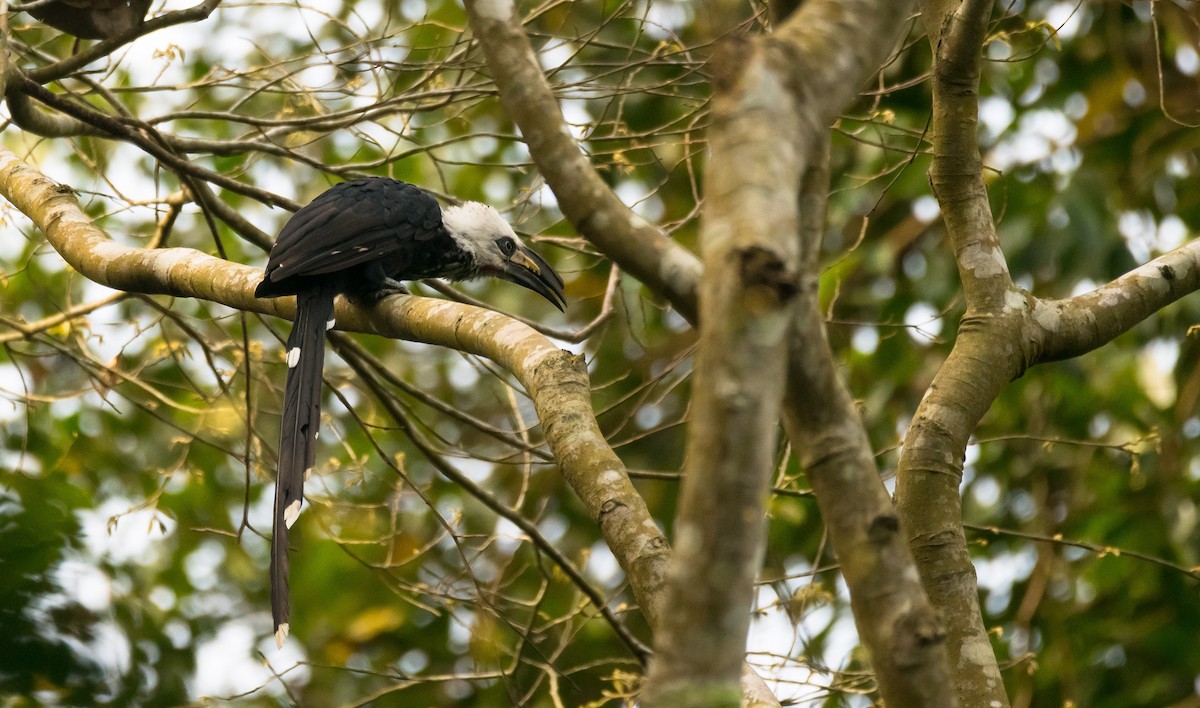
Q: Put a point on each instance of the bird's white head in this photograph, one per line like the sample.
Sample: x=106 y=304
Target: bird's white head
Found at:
x=496 y=250
x=476 y=228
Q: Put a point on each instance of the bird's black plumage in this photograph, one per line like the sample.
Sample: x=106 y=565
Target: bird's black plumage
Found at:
x=358 y=233
x=362 y=237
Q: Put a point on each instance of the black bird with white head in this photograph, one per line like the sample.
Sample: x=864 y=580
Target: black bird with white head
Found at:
x=362 y=238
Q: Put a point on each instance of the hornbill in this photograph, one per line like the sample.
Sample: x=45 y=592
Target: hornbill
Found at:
x=362 y=238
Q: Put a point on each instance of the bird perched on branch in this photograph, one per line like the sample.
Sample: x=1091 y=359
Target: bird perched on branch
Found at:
x=362 y=238
x=91 y=19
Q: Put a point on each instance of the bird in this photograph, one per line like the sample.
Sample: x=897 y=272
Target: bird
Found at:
x=91 y=19
x=362 y=239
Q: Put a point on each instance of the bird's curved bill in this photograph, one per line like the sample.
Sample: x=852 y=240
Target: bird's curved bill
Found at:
x=527 y=269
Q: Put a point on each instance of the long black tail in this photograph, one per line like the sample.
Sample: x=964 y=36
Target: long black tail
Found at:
x=298 y=436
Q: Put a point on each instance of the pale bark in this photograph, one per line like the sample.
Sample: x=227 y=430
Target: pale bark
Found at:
x=896 y=622
x=758 y=148
x=1004 y=332
x=774 y=98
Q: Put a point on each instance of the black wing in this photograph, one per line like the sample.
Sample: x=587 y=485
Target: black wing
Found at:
x=350 y=224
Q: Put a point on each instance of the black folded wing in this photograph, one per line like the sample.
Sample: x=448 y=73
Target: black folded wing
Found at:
x=353 y=223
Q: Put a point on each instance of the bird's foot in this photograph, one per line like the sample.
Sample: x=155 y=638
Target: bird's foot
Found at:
x=392 y=286
x=370 y=298
x=389 y=288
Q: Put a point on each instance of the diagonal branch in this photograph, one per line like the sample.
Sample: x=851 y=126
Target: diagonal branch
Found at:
x=555 y=380
x=638 y=247
x=895 y=620
x=133 y=131
x=1068 y=328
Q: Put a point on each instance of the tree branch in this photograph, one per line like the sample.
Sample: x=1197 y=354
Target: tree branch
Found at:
x=986 y=356
x=956 y=31
x=638 y=247
x=983 y=360
x=1006 y=330
x=1068 y=328
x=758 y=147
x=139 y=134
x=354 y=357
x=555 y=380
x=775 y=98
x=48 y=125
x=895 y=620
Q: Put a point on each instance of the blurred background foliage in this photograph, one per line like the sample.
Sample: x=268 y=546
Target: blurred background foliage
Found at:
x=132 y=569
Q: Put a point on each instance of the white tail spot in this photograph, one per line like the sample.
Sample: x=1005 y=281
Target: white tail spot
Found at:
x=293 y=357
x=330 y=323
x=281 y=633
x=291 y=513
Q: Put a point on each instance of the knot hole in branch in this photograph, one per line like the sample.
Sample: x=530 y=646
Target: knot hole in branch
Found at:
x=883 y=528
x=610 y=507
x=917 y=631
x=767 y=278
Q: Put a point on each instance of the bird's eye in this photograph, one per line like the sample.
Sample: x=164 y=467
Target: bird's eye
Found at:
x=507 y=246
